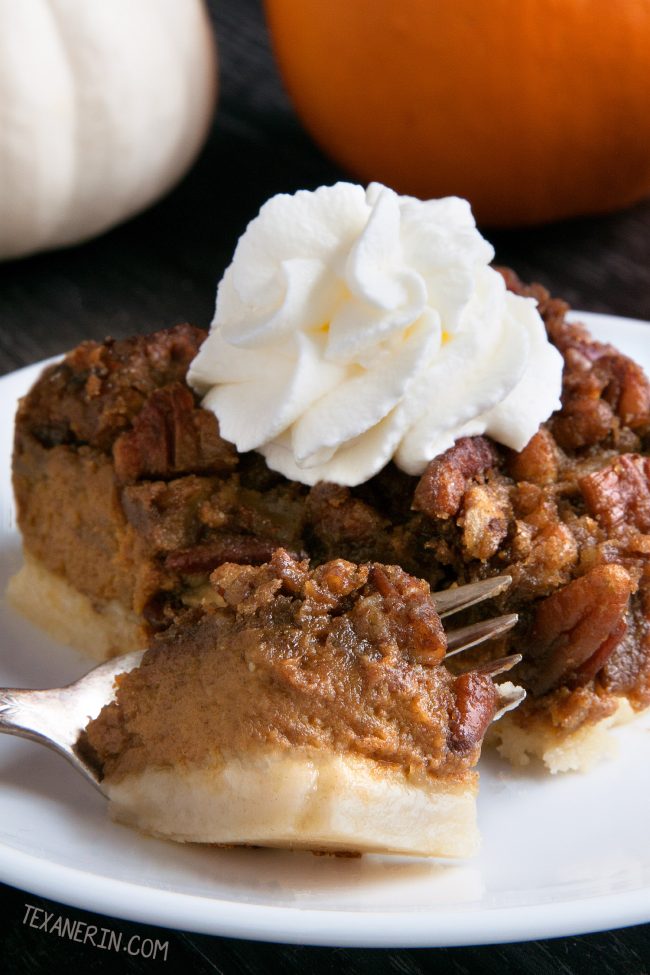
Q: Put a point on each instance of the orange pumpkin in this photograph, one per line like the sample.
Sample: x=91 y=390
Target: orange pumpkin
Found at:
x=532 y=109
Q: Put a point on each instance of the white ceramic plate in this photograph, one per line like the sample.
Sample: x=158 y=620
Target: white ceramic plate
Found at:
x=560 y=856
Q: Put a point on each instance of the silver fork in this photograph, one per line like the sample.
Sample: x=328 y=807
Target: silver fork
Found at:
x=56 y=717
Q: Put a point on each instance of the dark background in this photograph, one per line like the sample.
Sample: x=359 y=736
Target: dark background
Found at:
x=163 y=267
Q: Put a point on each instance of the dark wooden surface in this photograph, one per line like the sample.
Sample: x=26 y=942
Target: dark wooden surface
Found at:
x=162 y=267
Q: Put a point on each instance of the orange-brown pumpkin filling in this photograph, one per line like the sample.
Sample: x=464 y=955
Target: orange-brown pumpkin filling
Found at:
x=345 y=658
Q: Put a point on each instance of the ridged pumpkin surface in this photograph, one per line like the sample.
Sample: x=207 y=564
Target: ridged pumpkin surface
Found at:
x=532 y=109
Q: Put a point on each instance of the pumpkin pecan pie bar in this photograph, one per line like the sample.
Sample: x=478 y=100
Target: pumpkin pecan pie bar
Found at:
x=129 y=499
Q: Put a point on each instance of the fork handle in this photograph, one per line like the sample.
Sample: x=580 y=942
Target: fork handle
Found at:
x=33 y=715
x=28 y=714
x=12 y=712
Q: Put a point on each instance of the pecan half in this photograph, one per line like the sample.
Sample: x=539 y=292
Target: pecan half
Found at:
x=476 y=701
x=206 y=556
x=619 y=495
x=172 y=436
x=440 y=490
x=577 y=628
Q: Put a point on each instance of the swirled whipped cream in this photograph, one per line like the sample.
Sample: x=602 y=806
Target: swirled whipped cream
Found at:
x=358 y=326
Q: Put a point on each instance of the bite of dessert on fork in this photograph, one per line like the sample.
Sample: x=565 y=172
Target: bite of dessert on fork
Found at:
x=308 y=709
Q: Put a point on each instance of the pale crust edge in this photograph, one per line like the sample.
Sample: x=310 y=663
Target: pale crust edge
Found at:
x=309 y=799
x=70 y=617
x=560 y=750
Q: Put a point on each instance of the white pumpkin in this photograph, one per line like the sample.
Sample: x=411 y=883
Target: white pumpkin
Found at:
x=103 y=106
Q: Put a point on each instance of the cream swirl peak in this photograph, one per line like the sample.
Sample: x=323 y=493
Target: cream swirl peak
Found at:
x=358 y=326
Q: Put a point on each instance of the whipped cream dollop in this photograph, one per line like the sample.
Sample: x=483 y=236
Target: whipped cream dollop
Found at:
x=355 y=326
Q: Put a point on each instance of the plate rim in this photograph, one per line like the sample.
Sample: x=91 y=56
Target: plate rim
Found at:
x=316 y=927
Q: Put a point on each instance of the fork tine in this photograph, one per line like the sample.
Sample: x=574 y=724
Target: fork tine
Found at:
x=470 y=636
x=453 y=600
x=499 y=666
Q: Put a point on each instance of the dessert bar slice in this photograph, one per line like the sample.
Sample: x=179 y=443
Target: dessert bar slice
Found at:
x=302 y=709
x=128 y=499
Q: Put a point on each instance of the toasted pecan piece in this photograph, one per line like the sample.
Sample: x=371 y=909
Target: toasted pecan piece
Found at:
x=171 y=436
x=585 y=420
x=206 y=556
x=476 y=698
x=440 y=490
x=576 y=628
x=414 y=621
x=538 y=461
x=486 y=514
x=618 y=495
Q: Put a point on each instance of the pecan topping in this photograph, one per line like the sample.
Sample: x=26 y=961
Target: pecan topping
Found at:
x=341 y=522
x=440 y=490
x=93 y=395
x=172 y=436
x=538 y=461
x=476 y=700
x=414 y=622
x=206 y=556
x=577 y=628
x=619 y=494
x=485 y=517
